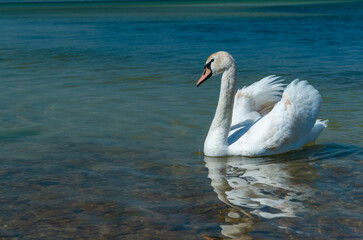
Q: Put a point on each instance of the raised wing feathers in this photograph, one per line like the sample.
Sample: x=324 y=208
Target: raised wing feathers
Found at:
x=257 y=100
x=286 y=126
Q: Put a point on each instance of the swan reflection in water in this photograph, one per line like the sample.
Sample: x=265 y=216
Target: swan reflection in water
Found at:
x=255 y=186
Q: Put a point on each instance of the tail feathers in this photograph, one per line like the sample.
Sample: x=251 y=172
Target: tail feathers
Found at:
x=322 y=123
x=319 y=126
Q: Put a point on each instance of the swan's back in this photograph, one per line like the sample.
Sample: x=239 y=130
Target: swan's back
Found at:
x=286 y=127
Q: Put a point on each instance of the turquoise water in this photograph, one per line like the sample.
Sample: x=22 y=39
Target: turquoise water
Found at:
x=102 y=127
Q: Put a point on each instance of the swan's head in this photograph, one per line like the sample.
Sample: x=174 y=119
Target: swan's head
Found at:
x=216 y=63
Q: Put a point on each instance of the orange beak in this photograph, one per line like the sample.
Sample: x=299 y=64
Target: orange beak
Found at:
x=206 y=74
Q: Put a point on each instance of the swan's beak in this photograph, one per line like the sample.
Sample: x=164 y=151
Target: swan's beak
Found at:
x=206 y=74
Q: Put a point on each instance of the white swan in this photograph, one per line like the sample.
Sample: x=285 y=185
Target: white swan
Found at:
x=259 y=120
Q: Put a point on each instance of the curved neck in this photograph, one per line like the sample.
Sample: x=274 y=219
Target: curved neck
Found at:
x=216 y=141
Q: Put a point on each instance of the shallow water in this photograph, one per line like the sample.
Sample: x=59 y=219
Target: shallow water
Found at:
x=102 y=127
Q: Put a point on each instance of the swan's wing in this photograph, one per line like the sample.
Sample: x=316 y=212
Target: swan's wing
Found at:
x=256 y=100
x=287 y=126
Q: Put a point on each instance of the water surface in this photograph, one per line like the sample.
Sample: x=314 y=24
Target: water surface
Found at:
x=102 y=127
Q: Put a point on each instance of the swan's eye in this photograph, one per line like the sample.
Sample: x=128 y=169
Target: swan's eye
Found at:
x=208 y=64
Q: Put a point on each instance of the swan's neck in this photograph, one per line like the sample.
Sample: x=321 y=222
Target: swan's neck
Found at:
x=216 y=142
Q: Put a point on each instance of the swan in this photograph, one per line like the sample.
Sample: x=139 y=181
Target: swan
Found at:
x=262 y=119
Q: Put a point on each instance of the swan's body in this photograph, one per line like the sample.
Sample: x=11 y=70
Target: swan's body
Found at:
x=259 y=120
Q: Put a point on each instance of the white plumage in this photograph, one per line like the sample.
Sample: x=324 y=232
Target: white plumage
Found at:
x=263 y=118
x=257 y=100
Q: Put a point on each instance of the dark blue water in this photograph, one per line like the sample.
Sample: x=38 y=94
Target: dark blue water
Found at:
x=102 y=127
